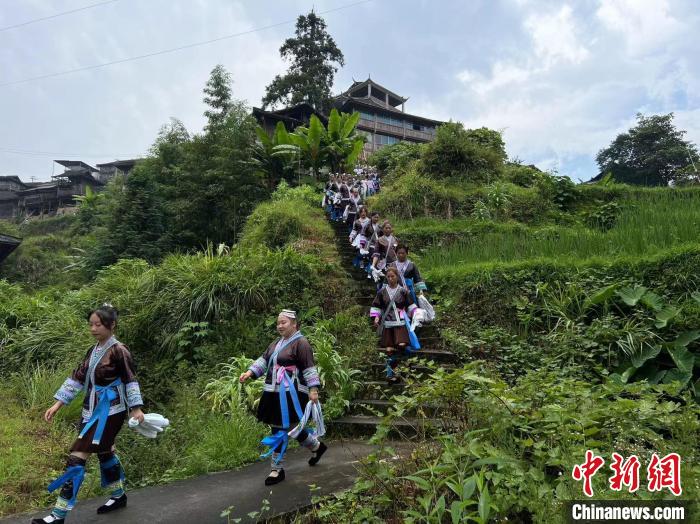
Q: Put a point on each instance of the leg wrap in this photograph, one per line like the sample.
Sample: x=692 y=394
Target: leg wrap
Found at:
x=276 y=463
x=308 y=440
x=111 y=470
x=70 y=483
x=391 y=362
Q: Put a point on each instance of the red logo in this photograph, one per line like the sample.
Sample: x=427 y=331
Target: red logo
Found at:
x=587 y=470
x=626 y=473
x=661 y=473
x=665 y=473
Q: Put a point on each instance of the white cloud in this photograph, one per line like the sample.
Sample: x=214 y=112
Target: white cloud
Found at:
x=118 y=109
x=555 y=37
x=560 y=100
x=643 y=24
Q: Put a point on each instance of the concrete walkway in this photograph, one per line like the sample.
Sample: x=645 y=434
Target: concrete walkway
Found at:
x=201 y=500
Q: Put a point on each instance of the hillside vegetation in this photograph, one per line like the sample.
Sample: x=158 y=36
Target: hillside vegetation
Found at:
x=193 y=323
x=576 y=310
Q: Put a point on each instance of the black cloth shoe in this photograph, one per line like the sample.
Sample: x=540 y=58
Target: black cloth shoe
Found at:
x=49 y=519
x=112 y=504
x=271 y=480
x=317 y=454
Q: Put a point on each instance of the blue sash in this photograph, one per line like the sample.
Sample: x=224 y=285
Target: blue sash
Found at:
x=411 y=288
x=412 y=337
x=286 y=384
x=100 y=414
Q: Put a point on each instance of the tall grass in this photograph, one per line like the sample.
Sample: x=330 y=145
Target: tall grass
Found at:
x=648 y=223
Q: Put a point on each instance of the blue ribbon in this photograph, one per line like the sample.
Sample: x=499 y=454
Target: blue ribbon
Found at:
x=74 y=473
x=409 y=284
x=282 y=437
x=412 y=337
x=100 y=414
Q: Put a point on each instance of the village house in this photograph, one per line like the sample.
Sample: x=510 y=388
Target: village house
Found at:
x=18 y=198
x=382 y=116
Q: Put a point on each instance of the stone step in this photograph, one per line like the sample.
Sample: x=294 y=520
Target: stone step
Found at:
x=431 y=354
x=406 y=367
x=372 y=421
x=380 y=407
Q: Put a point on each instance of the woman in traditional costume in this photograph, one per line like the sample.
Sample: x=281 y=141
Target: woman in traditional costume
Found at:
x=108 y=378
x=390 y=311
x=374 y=233
x=408 y=273
x=359 y=237
x=353 y=206
x=291 y=381
x=384 y=248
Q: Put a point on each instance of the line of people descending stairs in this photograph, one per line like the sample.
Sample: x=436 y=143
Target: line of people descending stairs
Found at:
x=400 y=305
x=290 y=400
x=391 y=285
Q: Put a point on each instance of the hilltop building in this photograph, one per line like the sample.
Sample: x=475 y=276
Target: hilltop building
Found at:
x=18 y=198
x=382 y=116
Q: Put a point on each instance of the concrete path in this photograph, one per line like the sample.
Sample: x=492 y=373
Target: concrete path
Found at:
x=201 y=500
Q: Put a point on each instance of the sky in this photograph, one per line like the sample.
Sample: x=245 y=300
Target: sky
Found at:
x=559 y=79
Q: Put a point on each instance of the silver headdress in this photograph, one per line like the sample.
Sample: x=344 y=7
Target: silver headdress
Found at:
x=289 y=314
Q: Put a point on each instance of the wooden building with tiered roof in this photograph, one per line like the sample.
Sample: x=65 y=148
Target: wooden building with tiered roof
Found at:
x=383 y=118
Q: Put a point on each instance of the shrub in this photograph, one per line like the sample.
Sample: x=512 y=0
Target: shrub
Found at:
x=284 y=221
x=474 y=155
x=396 y=157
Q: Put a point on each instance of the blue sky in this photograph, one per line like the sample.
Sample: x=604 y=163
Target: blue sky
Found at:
x=559 y=79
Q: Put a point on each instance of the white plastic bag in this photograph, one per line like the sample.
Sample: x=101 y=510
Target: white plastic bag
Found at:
x=427 y=307
x=152 y=424
x=419 y=316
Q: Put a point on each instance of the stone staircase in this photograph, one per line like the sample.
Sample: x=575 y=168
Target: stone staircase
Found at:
x=374 y=398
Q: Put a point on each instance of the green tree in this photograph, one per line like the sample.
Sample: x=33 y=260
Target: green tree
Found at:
x=309 y=140
x=343 y=146
x=314 y=58
x=191 y=190
x=88 y=210
x=652 y=153
x=395 y=156
x=217 y=95
x=214 y=187
x=136 y=223
x=336 y=146
x=475 y=155
x=274 y=155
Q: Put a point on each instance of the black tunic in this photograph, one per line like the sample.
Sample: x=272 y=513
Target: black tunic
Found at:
x=297 y=355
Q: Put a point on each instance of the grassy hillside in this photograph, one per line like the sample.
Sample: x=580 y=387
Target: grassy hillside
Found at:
x=576 y=310
x=193 y=323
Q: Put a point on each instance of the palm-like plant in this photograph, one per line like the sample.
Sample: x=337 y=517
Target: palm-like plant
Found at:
x=274 y=155
x=337 y=146
x=88 y=208
x=310 y=142
x=342 y=144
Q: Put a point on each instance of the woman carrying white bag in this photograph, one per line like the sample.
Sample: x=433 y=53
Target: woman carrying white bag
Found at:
x=291 y=381
x=411 y=279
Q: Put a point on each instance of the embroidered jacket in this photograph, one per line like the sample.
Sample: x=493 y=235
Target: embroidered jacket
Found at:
x=381 y=306
x=362 y=227
x=355 y=203
x=385 y=248
x=116 y=363
x=409 y=270
x=297 y=357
